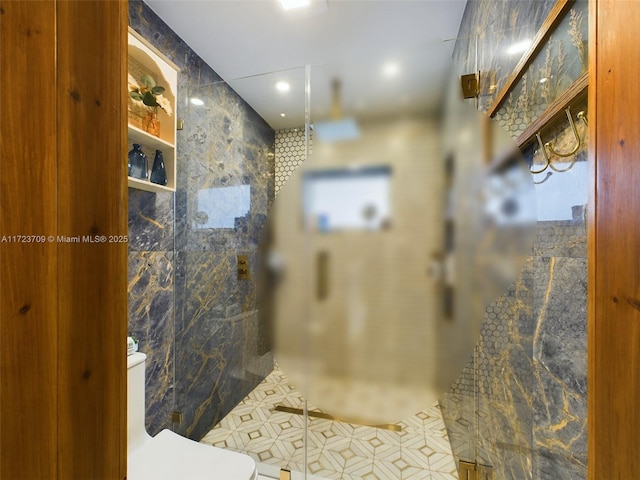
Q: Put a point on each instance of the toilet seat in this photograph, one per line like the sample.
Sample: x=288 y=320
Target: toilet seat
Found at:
x=169 y=456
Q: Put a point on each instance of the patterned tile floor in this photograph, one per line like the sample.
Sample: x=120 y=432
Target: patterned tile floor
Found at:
x=337 y=450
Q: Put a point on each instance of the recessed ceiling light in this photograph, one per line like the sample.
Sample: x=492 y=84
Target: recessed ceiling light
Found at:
x=283 y=86
x=391 y=69
x=197 y=101
x=519 y=47
x=283 y=114
x=291 y=4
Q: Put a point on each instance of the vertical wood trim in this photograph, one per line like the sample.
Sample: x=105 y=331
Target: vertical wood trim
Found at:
x=28 y=351
x=92 y=194
x=123 y=217
x=592 y=418
x=614 y=242
x=123 y=194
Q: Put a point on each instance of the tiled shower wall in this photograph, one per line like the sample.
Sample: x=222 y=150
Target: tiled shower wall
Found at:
x=195 y=320
x=200 y=326
x=522 y=402
x=290 y=152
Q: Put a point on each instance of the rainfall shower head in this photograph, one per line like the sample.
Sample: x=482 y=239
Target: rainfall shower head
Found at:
x=337 y=129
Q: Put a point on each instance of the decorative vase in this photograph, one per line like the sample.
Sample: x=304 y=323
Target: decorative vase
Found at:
x=158 y=172
x=137 y=163
x=151 y=124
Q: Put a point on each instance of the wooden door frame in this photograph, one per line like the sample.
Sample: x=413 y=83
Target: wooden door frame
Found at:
x=614 y=242
x=63 y=215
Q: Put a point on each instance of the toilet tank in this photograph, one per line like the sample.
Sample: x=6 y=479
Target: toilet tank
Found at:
x=136 y=432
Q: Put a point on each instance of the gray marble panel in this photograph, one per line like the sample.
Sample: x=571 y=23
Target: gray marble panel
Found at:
x=561 y=239
x=227 y=145
x=151 y=307
x=551 y=464
x=221 y=363
x=220 y=339
x=530 y=379
x=150 y=221
x=505 y=441
x=459 y=415
x=506 y=419
x=498 y=381
x=560 y=389
x=207 y=287
x=221 y=349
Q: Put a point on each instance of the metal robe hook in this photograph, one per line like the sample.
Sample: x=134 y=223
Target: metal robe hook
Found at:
x=546 y=156
x=575 y=133
x=583 y=116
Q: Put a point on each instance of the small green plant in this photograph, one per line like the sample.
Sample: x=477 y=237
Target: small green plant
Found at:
x=149 y=93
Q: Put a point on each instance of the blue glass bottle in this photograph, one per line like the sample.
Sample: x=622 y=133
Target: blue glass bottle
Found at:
x=158 y=172
x=137 y=163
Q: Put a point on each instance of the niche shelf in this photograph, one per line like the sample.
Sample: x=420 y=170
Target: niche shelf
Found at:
x=145 y=59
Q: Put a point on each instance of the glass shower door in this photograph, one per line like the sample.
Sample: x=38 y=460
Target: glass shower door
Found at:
x=374 y=193
x=410 y=238
x=230 y=274
x=369 y=286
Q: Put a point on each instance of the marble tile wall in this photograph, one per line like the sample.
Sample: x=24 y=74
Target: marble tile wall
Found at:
x=151 y=298
x=490 y=28
x=198 y=323
x=521 y=401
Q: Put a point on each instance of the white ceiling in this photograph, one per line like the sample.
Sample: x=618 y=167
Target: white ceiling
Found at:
x=347 y=39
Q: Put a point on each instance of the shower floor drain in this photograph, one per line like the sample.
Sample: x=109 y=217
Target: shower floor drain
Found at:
x=313 y=413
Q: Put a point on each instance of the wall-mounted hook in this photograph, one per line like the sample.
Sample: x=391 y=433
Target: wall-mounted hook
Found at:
x=578 y=142
x=546 y=147
x=546 y=156
x=575 y=133
x=583 y=116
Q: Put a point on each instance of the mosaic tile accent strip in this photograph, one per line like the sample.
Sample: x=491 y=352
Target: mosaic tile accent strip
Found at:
x=289 y=150
x=337 y=450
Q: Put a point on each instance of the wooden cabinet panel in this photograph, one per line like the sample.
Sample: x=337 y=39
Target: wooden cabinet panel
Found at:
x=63 y=308
x=614 y=241
x=28 y=327
x=92 y=299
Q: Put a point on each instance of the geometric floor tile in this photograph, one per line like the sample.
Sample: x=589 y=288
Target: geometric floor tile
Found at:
x=336 y=450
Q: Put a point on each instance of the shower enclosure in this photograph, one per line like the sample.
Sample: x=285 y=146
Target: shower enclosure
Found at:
x=371 y=288
x=376 y=284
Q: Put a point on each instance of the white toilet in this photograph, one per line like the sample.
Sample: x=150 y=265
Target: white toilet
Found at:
x=169 y=456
